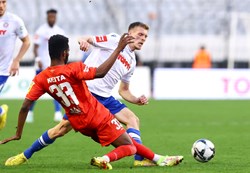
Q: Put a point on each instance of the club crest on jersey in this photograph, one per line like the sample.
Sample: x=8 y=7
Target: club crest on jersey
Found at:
x=123 y=61
x=101 y=38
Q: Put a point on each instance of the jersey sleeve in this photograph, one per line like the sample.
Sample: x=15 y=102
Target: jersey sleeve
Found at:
x=34 y=91
x=109 y=41
x=83 y=72
x=21 y=30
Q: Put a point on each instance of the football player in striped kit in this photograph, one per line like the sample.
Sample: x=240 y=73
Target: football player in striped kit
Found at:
x=11 y=27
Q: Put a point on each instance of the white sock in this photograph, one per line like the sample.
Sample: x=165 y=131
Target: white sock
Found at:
x=106 y=158
x=156 y=158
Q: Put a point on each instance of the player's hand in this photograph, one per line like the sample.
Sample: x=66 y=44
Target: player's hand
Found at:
x=142 y=100
x=124 y=40
x=14 y=68
x=10 y=139
x=84 y=45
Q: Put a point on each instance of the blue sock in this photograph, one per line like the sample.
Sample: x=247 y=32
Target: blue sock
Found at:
x=57 y=106
x=39 y=144
x=32 y=106
x=136 y=135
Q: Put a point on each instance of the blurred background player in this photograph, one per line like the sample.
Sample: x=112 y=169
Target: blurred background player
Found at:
x=202 y=59
x=42 y=60
x=66 y=83
x=122 y=70
x=11 y=27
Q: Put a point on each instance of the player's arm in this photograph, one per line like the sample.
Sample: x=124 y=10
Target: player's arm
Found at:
x=21 y=120
x=108 y=41
x=103 y=69
x=16 y=61
x=85 y=43
x=126 y=94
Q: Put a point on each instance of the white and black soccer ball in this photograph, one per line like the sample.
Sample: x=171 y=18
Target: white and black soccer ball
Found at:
x=203 y=150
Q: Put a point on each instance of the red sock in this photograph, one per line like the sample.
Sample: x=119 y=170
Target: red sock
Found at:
x=121 y=151
x=143 y=151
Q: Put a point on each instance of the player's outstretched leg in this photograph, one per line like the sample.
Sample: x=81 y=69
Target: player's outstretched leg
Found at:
x=116 y=154
x=3 y=115
x=124 y=147
x=159 y=160
x=139 y=160
x=39 y=144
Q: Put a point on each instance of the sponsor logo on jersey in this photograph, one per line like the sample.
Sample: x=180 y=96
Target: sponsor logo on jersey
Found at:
x=2 y=32
x=123 y=61
x=86 y=69
x=75 y=110
x=101 y=38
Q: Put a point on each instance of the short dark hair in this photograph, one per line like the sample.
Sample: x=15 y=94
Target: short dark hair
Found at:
x=202 y=47
x=52 y=10
x=57 y=44
x=136 y=24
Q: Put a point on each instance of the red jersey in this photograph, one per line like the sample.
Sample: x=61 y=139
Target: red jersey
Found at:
x=66 y=84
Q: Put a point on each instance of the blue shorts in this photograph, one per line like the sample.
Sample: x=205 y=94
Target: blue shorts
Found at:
x=110 y=103
x=3 y=80
x=113 y=105
x=38 y=71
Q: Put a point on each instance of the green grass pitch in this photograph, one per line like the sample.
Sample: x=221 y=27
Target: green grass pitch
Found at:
x=167 y=127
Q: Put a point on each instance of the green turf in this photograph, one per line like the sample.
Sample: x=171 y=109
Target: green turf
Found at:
x=167 y=127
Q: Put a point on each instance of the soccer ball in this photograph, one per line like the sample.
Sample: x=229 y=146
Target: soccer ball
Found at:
x=203 y=150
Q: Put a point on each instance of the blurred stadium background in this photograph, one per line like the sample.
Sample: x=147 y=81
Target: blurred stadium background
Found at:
x=177 y=29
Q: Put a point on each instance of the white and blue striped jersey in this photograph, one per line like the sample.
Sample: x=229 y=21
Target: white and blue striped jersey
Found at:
x=11 y=27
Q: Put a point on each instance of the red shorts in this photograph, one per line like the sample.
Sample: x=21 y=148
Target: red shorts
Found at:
x=106 y=132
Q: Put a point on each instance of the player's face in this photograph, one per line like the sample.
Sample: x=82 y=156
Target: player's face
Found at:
x=140 y=34
x=51 y=19
x=2 y=7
